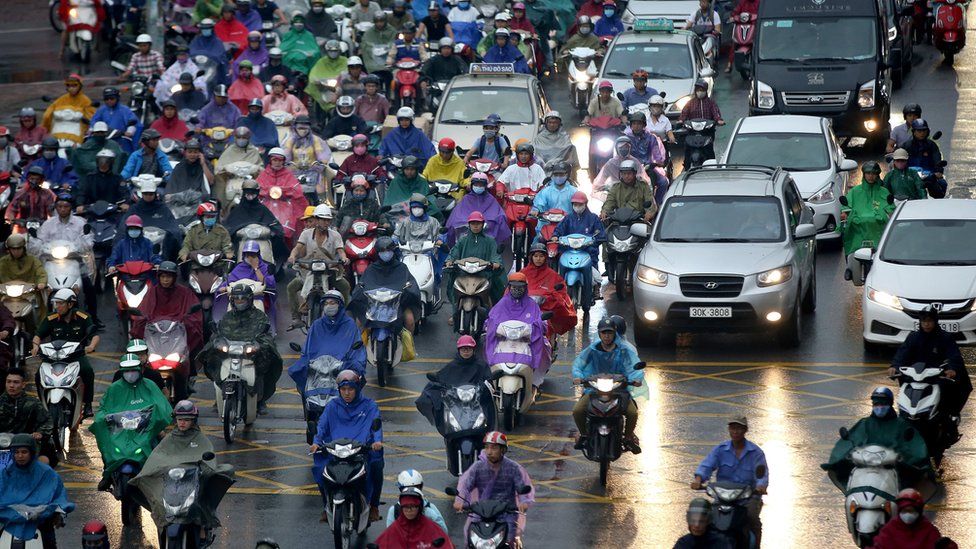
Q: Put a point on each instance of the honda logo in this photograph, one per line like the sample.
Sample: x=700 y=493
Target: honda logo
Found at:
x=937 y=306
x=711 y=285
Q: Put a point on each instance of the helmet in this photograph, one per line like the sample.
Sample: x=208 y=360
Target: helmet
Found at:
x=255 y=102
x=354 y=61
x=919 y=124
x=322 y=211
x=379 y=16
x=606 y=325
x=414 y=162
x=27 y=112
x=637 y=117
x=909 y=497
x=136 y=346
x=192 y=144
x=65 y=197
x=143 y=39
x=206 y=208
x=250 y=185
x=446 y=143
x=384 y=244
x=334 y=294
x=622 y=140
x=35 y=170
x=552 y=114
x=242 y=131
x=701 y=84
x=23 y=440
x=605 y=84
x=411 y=478
x=94 y=535
x=251 y=247
x=276 y=151
x=106 y=153
x=411 y=496
x=279 y=79
x=446 y=42
x=371 y=79
x=149 y=134
x=620 y=323
x=409 y=28
x=871 y=167
x=417 y=198
x=930 y=313
x=639 y=74
x=359 y=139
x=110 y=92
x=333 y=45
x=525 y=147
x=241 y=291
x=492 y=120
x=479 y=177
x=560 y=167
x=912 y=108
x=502 y=32
x=186 y=408
x=16 y=241
x=579 y=197
x=347 y=377
x=496 y=437
x=405 y=112
x=345 y=102
x=207 y=23
x=882 y=395
x=167 y=267
x=64 y=294
x=129 y=361
x=583 y=20
x=537 y=247
x=466 y=341
x=628 y=165
x=699 y=508
x=476 y=217
x=49 y=143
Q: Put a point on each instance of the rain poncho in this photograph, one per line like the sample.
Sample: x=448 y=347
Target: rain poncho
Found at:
x=413 y=534
x=324 y=69
x=264 y=133
x=250 y=19
x=483 y=247
x=300 y=51
x=889 y=431
x=242 y=91
x=542 y=282
x=213 y=48
x=905 y=183
x=895 y=534
x=119 y=445
x=213 y=115
x=291 y=193
x=507 y=54
x=321 y=24
x=464 y=23
x=549 y=15
x=232 y=32
x=171 y=128
x=610 y=173
x=155 y=214
x=410 y=141
x=333 y=336
x=459 y=371
x=206 y=9
x=868 y=215
x=496 y=224
x=393 y=275
x=171 y=77
x=594 y=360
x=380 y=39
x=57 y=171
x=258 y=58
x=120 y=118
x=248 y=212
x=353 y=420
x=171 y=303
x=34 y=485
x=484 y=480
x=183 y=448
x=450 y=170
x=551 y=146
x=554 y=197
x=400 y=189
x=78 y=102
x=524 y=310
x=413 y=229
x=83 y=156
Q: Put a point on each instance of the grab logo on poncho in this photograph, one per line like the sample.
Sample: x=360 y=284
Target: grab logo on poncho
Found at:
x=136 y=401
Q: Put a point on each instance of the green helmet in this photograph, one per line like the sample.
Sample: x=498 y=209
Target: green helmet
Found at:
x=129 y=361
x=136 y=346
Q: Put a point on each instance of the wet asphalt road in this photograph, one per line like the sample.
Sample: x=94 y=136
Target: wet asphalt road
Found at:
x=795 y=400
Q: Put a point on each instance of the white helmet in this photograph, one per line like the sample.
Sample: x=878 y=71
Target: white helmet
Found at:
x=105 y=153
x=411 y=478
x=405 y=112
x=656 y=100
x=65 y=294
x=322 y=211
x=347 y=102
x=354 y=60
x=276 y=151
x=143 y=39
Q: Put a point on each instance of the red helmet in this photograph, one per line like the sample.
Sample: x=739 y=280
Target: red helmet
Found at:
x=4 y=131
x=579 y=197
x=94 y=535
x=496 y=437
x=206 y=208
x=909 y=497
x=606 y=84
x=133 y=221
x=446 y=143
x=476 y=216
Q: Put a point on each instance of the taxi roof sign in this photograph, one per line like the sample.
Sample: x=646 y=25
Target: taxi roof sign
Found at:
x=492 y=68
x=661 y=24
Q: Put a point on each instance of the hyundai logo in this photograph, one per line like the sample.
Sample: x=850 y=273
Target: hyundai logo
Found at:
x=711 y=285
x=815 y=99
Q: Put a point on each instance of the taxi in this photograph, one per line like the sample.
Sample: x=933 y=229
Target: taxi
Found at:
x=673 y=59
x=518 y=99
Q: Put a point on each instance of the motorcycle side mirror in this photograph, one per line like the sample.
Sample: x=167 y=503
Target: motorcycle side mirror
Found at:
x=640 y=365
x=559 y=287
x=451 y=491
x=760 y=471
x=439 y=542
x=431 y=377
x=620 y=96
x=386 y=209
x=48 y=99
x=209 y=456
x=844 y=433
x=195 y=309
x=295 y=347
x=663 y=94
x=648 y=203
x=357 y=345
x=937 y=135
x=891 y=198
x=443 y=230
x=373 y=546
x=201 y=72
x=909 y=434
x=334 y=166
x=134 y=312
x=843 y=201
x=377 y=425
x=547 y=315
x=87 y=229
x=523 y=490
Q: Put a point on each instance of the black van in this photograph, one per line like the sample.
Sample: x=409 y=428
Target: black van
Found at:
x=824 y=58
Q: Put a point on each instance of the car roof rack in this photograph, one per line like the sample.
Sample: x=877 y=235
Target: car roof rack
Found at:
x=772 y=172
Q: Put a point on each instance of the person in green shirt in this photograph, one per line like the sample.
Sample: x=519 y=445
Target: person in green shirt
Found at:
x=18 y=265
x=208 y=234
x=476 y=244
x=867 y=210
x=629 y=192
x=298 y=46
x=207 y=9
x=902 y=182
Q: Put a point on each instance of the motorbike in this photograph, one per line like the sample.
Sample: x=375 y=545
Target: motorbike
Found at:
x=320 y=385
x=206 y=275
x=553 y=217
x=582 y=70
x=491 y=528
x=319 y=279
x=132 y=281
x=27 y=227
x=729 y=514
x=360 y=247
x=61 y=388
x=471 y=288
x=518 y=204
x=282 y=121
x=62 y=261
x=345 y=482
x=216 y=142
x=236 y=174
x=604 y=131
x=513 y=381
x=309 y=173
x=710 y=41
x=435 y=90
x=260 y=234
x=490 y=168
x=875 y=473
x=919 y=398
x=184 y=206
x=239 y=386
x=169 y=355
x=129 y=420
x=270 y=35
x=572 y=263
x=743 y=36
x=463 y=424
x=82 y=26
x=626 y=235
x=383 y=346
x=7 y=189
x=103 y=219
x=699 y=136
x=20 y=299
x=443 y=194
x=418 y=257
x=27 y=514
x=949 y=29
x=605 y=419
x=280 y=206
x=406 y=83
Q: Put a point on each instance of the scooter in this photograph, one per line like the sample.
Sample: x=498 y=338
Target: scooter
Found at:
x=418 y=257
x=62 y=261
x=132 y=281
x=239 y=385
x=572 y=264
x=517 y=205
x=875 y=473
x=236 y=173
x=185 y=488
x=82 y=26
x=463 y=424
x=216 y=142
x=27 y=514
x=582 y=72
x=383 y=344
x=129 y=420
x=360 y=247
x=271 y=38
x=280 y=206
x=729 y=514
x=490 y=168
x=471 y=289
x=443 y=190
x=626 y=235
x=699 y=136
x=61 y=388
x=406 y=83
x=743 y=36
x=345 y=485
x=320 y=385
x=169 y=355
x=20 y=299
x=491 y=529
x=308 y=171
x=604 y=131
x=260 y=234
x=282 y=121
x=919 y=398
x=553 y=217
x=513 y=381
x=949 y=30
x=206 y=275
x=605 y=419
x=319 y=278
x=103 y=219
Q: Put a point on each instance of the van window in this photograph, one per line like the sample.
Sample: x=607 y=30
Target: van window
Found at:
x=816 y=39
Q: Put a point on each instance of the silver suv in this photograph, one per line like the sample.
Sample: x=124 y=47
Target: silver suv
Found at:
x=732 y=250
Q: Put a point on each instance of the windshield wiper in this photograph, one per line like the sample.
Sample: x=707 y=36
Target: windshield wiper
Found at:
x=459 y=121
x=950 y=263
x=616 y=73
x=676 y=239
x=729 y=240
x=662 y=75
x=821 y=59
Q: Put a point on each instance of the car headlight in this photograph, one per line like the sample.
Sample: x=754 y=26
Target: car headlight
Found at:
x=651 y=276
x=865 y=95
x=884 y=298
x=765 y=99
x=776 y=276
x=679 y=104
x=823 y=196
x=604 y=145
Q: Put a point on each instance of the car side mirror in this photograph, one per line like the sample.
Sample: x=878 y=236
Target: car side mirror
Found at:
x=559 y=287
x=710 y=162
x=546 y=315
x=847 y=165
x=640 y=365
x=843 y=201
x=640 y=230
x=209 y=456
x=707 y=72
x=295 y=347
x=805 y=230
x=890 y=198
x=451 y=491
x=524 y=489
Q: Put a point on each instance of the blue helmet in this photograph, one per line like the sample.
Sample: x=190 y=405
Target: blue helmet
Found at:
x=492 y=120
x=882 y=395
x=251 y=247
x=919 y=124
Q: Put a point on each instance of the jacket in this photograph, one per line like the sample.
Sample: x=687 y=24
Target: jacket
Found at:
x=98 y=185
x=586 y=223
x=895 y=534
x=24 y=414
x=633 y=196
x=134 y=165
x=128 y=249
x=905 y=183
x=199 y=238
x=28 y=268
x=595 y=360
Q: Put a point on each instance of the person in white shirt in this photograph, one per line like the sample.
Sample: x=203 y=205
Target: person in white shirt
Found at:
x=524 y=173
x=708 y=17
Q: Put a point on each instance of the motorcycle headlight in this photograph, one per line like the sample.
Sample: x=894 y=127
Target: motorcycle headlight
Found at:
x=676 y=107
x=652 y=276
x=823 y=196
x=764 y=96
x=865 y=95
x=604 y=385
x=275 y=193
x=604 y=145
x=776 y=276
x=332 y=82
x=15 y=290
x=478 y=543
x=884 y=298
x=137 y=88
x=59 y=252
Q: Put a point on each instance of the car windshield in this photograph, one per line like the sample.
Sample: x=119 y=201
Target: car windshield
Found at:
x=930 y=242
x=815 y=39
x=797 y=152
x=721 y=219
x=659 y=60
x=473 y=105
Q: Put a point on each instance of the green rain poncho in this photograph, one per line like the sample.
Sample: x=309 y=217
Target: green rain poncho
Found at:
x=324 y=69
x=890 y=432
x=118 y=444
x=401 y=188
x=207 y=9
x=868 y=213
x=905 y=183
x=300 y=51
x=83 y=160
x=483 y=247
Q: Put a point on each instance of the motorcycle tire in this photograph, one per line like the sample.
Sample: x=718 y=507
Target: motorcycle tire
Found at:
x=508 y=413
x=184 y=540
x=467 y=460
x=604 y=471
x=85 y=53
x=621 y=281
x=337 y=520
x=314 y=311
x=381 y=362
x=950 y=58
x=54 y=18
x=57 y=418
x=230 y=418
x=131 y=511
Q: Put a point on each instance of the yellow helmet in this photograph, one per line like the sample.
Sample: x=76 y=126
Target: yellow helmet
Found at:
x=309 y=210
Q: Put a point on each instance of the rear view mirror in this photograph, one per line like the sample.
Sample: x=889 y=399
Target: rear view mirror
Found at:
x=805 y=230
x=937 y=135
x=663 y=94
x=87 y=229
x=295 y=347
x=707 y=72
x=451 y=491
x=844 y=433
x=134 y=312
x=640 y=230
x=195 y=309
x=443 y=230
x=640 y=365
x=620 y=96
x=847 y=165
x=843 y=201
x=377 y=424
x=439 y=542
x=547 y=315
x=523 y=490
x=334 y=166
x=209 y=456
x=559 y=287
x=864 y=255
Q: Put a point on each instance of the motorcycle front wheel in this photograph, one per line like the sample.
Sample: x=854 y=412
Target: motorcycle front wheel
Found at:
x=338 y=536
x=230 y=417
x=621 y=281
x=57 y=420
x=54 y=18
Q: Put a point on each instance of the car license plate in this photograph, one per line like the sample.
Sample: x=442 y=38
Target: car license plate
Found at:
x=710 y=312
x=951 y=327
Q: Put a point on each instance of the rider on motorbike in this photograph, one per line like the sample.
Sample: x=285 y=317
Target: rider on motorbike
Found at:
x=70 y=324
x=628 y=193
x=408 y=181
x=74 y=100
x=868 y=209
x=610 y=354
x=360 y=161
x=903 y=132
x=700 y=533
x=372 y=106
x=542 y=282
x=419 y=226
x=412 y=479
x=902 y=181
x=702 y=106
x=57 y=170
x=346 y=121
x=557 y=194
x=553 y=144
x=503 y=51
x=610 y=172
x=492 y=145
x=486 y=206
x=388 y=272
x=413 y=528
x=304 y=149
x=524 y=173
x=71 y=228
x=192 y=175
x=648 y=150
x=280 y=100
x=445 y=165
x=356 y=417
x=610 y=24
x=137 y=350
x=29 y=132
x=583 y=38
x=253 y=267
x=350 y=81
x=155 y=213
x=605 y=104
x=328 y=67
x=477 y=244
x=24 y=413
x=640 y=93
x=582 y=221
x=208 y=234
x=264 y=133
x=333 y=334
x=102 y=184
x=910 y=528
x=30 y=482
x=466 y=368
x=447 y=65
x=276 y=175
x=31 y=201
x=17 y=264
x=318 y=241
x=517 y=305
x=407 y=139
x=133 y=246
x=707 y=18
x=924 y=153
x=359 y=206
x=84 y=157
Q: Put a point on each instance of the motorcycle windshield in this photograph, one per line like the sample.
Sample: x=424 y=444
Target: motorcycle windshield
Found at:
x=320 y=385
x=462 y=408
x=129 y=420
x=180 y=490
x=165 y=338
x=384 y=305
x=514 y=341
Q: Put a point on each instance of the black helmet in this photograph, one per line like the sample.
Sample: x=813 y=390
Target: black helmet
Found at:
x=637 y=117
x=302 y=119
x=110 y=92
x=410 y=162
x=871 y=167
x=241 y=291
x=409 y=28
x=65 y=197
x=525 y=147
x=23 y=440
x=620 y=323
x=930 y=313
x=560 y=167
x=384 y=244
x=701 y=84
x=49 y=143
x=919 y=124
x=912 y=108
x=371 y=79
x=882 y=395
x=537 y=247
x=167 y=267
x=606 y=325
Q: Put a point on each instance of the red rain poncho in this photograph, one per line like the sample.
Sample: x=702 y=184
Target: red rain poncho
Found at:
x=542 y=281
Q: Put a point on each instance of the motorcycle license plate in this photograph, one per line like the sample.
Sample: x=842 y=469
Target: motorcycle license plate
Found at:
x=951 y=327
x=710 y=312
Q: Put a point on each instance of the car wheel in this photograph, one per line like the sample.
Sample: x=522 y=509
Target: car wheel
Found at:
x=871 y=348
x=810 y=299
x=790 y=334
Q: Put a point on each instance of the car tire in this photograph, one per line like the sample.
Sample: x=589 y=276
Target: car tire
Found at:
x=791 y=334
x=810 y=298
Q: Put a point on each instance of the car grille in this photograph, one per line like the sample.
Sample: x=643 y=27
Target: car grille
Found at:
x=951 y=310
x=825 y=99
x=711 y=286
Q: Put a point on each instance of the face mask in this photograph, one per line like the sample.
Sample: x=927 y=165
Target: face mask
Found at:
x=700 y=94
x=254 y=115
x=298 y=27
x=332 y=54
x=331 y=310
x=386 y=256
x=242 y=143
x=302 y=132
x=209 y=222
x=908 y=517
x=517 y=291
x=134 y=233
x=463 y=6
x=491 y=133
x=478 y=189
x=585 y=30
x=49 y=154
x=608 y=13
x=559 y=180
x=417 y=212
x=359 y=149
x=250 y=197
x=579 y=208
x=880 y=410
x=318 y=9
x=206 y=32
x=131 y=376
x=359 y=197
